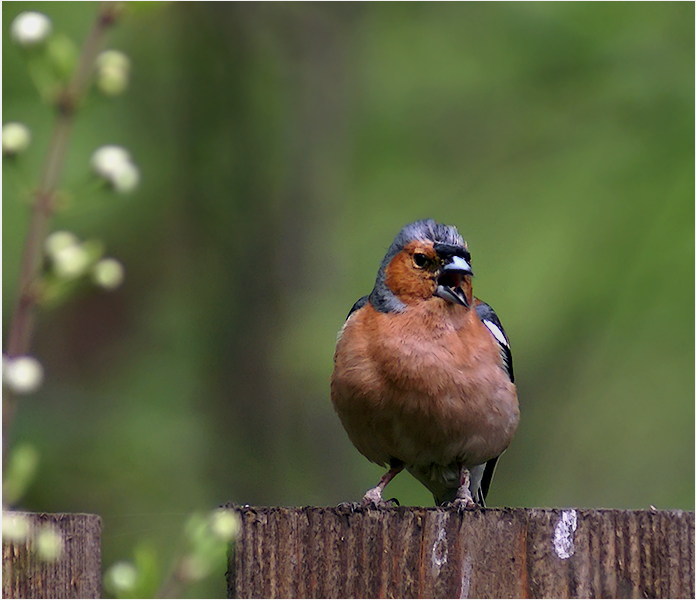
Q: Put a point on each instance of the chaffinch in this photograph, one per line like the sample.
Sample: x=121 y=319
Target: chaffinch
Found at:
x=423 y=376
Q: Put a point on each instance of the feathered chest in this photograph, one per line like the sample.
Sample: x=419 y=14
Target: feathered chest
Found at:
x=423 y=360
x=411 y=383
x=431 y=351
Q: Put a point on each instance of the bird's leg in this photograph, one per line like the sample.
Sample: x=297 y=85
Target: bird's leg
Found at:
x=463 y=497
x=374 y=495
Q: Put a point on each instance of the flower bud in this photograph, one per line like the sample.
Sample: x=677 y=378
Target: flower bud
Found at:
x=122 y=577
x=15 y=138
x=113 y=70
x=15 y=527
x=107 y=160
x=114 y=164
x=224 y=524
x=22 y=374
x=126 y=179
x=30 y=28
x=71 y=261
x=108 y=273
x=58 y=241
x=49 y=543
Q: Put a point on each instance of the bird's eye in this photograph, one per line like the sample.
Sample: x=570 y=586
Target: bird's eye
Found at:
x=420 y=259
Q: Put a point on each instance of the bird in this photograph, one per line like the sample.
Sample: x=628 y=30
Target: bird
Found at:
x=423 y=377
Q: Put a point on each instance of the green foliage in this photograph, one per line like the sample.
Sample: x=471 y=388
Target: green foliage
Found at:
x=19 y=473
x=50 y=65
x=206 y=541
x=139 y=579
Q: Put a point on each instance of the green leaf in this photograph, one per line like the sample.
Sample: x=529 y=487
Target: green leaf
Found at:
x=19 y=473
x=61 y=53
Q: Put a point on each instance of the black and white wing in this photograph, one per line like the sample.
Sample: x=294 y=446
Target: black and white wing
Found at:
x=493 y=324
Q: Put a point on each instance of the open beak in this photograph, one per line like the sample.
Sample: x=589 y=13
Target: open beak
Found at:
x=449 y=282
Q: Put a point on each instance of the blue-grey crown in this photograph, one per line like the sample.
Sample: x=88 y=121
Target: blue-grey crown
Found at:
x=427 y=229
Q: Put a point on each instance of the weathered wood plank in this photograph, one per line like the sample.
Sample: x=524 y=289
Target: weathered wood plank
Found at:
x=409 y=552
x=75 y=571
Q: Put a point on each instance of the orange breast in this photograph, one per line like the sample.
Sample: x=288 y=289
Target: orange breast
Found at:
x=425 y=386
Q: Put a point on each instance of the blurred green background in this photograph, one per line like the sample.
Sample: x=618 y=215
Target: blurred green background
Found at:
x=282 y=146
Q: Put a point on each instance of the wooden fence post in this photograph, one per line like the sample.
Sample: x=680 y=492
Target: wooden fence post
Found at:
x=74 y=573
x=410 y=552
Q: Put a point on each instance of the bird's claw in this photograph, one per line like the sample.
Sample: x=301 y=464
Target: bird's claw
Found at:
x=463 y=504
x=347 y=508
x=391 y=503
x=373 y=499
x=466 y=502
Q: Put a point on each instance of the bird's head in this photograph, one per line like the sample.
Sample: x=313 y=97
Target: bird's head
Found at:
x=426 y=260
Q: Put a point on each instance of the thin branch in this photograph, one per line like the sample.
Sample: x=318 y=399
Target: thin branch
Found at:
x=22 y=324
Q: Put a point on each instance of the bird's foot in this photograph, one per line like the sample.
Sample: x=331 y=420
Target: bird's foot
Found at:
x=463 y=498
x=373 y=498
x=391 y=503
x=467 y=502
x=347 y=507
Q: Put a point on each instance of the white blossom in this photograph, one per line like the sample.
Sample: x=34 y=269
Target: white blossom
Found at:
x=126 y=179
x=59 y=240
x=30 y=28
x=15 y=527
x=49 y=543
x=224 y=524
x=22 y=374
x=108 y=273
x=114 y=164
x=122 y=577
x=16 y=138
x=107 y=160
x=71 y=261
x=113 y=71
